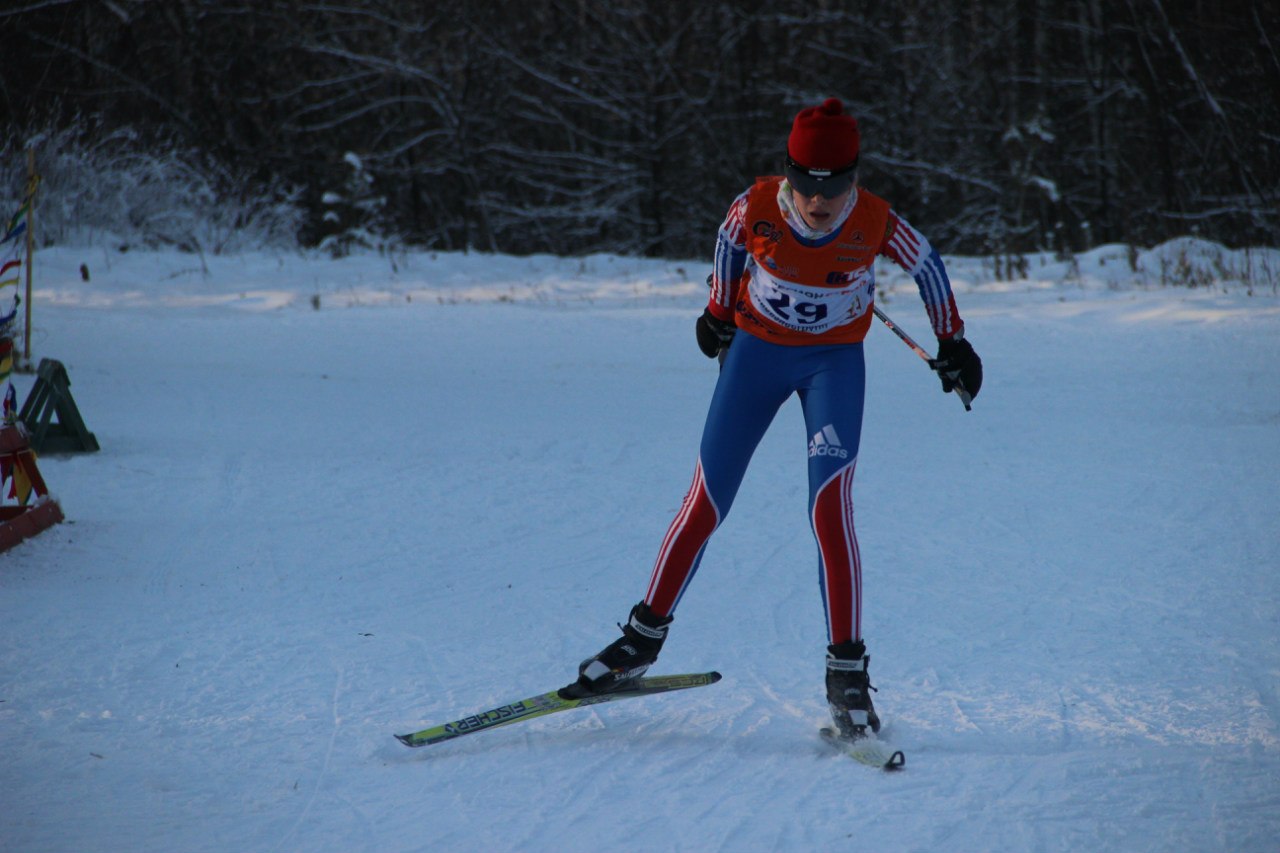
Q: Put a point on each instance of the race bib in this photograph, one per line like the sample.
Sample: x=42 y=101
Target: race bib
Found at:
x=803 y=308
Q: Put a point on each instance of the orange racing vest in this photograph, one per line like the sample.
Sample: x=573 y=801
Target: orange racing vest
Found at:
x=799 y=294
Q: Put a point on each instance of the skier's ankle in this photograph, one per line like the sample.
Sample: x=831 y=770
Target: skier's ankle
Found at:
x=646 y=627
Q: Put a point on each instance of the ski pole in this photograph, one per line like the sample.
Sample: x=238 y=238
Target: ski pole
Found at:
x=961 y=392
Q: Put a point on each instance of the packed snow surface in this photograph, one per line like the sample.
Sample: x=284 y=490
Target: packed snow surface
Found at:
x=341 y=499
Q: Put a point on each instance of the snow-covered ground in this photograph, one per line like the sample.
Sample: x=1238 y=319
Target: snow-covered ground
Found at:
x=310 y=528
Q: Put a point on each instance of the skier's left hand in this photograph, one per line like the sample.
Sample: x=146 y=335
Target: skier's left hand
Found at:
x=958 y=364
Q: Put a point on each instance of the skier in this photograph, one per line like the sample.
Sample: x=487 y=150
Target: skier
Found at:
x=794 y=275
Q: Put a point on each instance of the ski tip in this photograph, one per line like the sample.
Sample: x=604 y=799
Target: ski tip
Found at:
x=407 y=740
x=713 y=677
x=897 y=759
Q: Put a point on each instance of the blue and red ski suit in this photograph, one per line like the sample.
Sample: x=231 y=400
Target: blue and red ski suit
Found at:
x=802 y=307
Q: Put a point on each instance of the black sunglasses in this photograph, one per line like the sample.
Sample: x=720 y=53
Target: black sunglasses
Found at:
x=827 y=183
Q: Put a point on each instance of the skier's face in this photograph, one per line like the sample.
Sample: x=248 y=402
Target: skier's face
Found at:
x=818 y=211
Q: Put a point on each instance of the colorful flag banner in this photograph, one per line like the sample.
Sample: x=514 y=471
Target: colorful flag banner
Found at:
x=12 y=247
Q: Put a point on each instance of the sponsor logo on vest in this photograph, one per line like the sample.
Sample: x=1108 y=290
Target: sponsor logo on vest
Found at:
x=765 y=228
x=743 y=310
x=781 y=269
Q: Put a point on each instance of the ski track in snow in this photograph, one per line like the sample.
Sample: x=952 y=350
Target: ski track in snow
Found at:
x=310 y=529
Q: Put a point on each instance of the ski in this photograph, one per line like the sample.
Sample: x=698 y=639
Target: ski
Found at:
x=564 y=699
x=868 y=750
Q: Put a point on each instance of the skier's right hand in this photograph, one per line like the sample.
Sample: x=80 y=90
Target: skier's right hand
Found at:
x=713 y=333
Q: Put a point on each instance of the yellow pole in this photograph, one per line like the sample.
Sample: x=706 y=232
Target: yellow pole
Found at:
x=31 y=227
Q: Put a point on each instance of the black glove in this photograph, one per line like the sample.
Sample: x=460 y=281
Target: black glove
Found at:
x=958 y=364
x=713 y=333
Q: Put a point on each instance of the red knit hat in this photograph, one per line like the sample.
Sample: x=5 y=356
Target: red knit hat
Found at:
x=823 y=137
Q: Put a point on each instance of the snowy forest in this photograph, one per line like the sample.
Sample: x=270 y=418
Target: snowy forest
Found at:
x=564 y=126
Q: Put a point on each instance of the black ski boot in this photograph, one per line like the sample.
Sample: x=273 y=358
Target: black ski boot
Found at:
x=625 y=659
x=849 y=690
